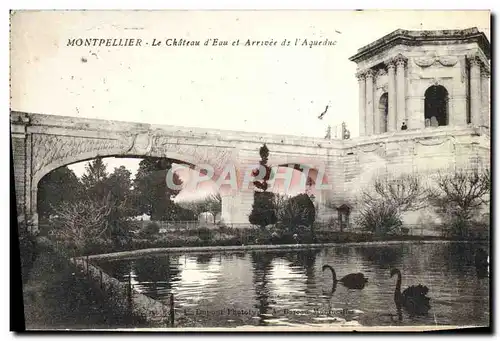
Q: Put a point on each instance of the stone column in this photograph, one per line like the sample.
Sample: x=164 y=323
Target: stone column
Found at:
x=377 y=115
x=369 y=103
x=362 y=103
x=20 y=144
x=391 y=126
x=475 y=90
x=485 y=97
x=400 y=62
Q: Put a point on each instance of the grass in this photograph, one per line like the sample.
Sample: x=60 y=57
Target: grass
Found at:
x=57 y=296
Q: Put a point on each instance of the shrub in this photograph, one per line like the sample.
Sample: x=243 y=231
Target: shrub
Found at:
x=28 y=250
x=204 y=233
x=380 y=218
x=263 y=212
x=151 y=229
x=298 y=211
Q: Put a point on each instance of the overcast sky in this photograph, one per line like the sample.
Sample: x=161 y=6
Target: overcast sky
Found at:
x=263 y=89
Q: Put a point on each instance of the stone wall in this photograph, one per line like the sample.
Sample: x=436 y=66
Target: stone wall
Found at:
x=136 y=303
x=422 y=153
x=19 y=156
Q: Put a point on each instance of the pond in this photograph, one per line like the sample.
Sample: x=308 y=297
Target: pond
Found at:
x=271 y=288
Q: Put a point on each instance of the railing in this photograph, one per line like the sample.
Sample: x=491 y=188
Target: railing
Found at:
x=170 y=225
x=249 y=233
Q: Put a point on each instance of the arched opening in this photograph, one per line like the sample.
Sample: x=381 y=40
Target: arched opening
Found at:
x=298 y=181
x=113 y=199
x=344 y=212
x=383 y=107
x=436 y=106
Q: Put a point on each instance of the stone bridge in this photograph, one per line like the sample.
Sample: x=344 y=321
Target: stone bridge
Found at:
x=42 y=143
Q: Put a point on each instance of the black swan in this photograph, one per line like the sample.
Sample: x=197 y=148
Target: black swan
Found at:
x=413 y=298
x=351 y=281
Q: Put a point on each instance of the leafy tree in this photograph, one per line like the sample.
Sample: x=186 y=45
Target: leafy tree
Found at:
x=94 y=179
x=212 y=204
x=183 y=214
x=152 y=195
x=195 y=206
x=119 y=186
x=60 y=185
x=263 y=211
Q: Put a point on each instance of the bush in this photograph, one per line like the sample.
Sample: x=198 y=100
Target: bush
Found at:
x=464 y=229
x=151 y=229
x=297 y=211
x=28 y=249
x=203 y=233
x=263 y=212
x=380 y=218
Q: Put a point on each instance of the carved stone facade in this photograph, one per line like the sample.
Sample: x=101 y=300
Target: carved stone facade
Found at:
x=414 y=68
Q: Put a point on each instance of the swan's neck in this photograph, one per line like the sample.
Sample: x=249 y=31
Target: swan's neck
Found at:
x=334 y=275
x=398 y=284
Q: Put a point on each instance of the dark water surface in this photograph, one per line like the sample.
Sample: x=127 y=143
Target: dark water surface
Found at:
x=289 y=288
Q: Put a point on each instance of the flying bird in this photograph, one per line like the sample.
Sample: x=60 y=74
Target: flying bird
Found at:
x=338 y=32
x=323 y=113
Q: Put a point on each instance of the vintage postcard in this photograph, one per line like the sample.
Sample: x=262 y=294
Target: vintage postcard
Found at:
x=284 y=170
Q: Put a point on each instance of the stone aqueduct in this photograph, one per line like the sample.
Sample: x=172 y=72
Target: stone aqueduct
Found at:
x=42 y=143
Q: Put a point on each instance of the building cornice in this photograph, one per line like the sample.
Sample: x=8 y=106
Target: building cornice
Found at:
x=416 y=38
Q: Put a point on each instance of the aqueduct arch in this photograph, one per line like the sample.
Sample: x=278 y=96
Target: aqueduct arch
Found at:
x=42 y=143
x=46 y=143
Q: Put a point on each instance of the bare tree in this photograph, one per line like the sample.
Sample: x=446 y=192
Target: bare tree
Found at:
x=83 y=222
x=460 y=194
x=405 y=193
x=386 y=199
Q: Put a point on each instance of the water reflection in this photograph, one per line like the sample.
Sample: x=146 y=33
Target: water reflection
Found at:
x=383 y=257
x=204 y=258
x=118 y=269
x=289 y=287
x=197 y=281
x=262 y=265
x=155 y=275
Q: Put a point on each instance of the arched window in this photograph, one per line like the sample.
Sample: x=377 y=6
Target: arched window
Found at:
x=383 y=111
x=436 y=106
